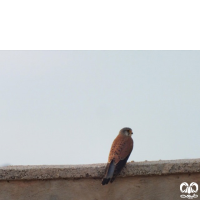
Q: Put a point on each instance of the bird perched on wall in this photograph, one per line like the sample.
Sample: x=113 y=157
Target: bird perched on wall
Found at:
x=119 y=153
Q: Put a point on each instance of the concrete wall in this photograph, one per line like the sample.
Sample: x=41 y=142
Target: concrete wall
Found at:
x=158 y=180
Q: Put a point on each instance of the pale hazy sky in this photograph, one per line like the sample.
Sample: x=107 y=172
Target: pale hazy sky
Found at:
x=66 y=107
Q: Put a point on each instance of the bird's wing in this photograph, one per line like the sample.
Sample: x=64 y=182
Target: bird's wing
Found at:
x=119 y=166
x=120 y=149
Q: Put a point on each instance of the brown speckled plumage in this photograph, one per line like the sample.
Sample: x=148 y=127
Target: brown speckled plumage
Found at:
x=121 y=148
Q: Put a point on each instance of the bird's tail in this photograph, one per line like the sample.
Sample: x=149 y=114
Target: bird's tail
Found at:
x=110 y=168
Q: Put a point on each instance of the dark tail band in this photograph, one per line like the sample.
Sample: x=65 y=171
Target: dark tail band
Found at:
x=110 y=168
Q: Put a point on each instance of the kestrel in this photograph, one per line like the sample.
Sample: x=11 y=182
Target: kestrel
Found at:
x=119 y=153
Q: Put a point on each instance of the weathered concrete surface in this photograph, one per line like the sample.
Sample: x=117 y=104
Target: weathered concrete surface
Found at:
x=97 y=170
x=156 y=180
x=128 y=188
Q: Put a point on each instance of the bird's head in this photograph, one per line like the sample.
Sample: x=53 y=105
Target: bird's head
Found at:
x=126 y=131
